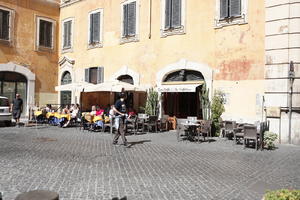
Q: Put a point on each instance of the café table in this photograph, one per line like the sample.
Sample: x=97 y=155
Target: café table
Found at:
x=191 y=129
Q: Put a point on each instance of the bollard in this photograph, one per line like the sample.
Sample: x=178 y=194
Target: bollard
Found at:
x=38 y=195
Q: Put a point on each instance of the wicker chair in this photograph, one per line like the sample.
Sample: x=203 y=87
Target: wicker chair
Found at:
x=250 y=133
x=229 y=129
x=204 y=130
x=151 y=123
x=131 y=125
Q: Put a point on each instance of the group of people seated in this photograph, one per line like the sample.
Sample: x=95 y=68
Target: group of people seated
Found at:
x=99 y=116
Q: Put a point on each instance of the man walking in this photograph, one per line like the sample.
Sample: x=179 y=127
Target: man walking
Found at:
x=120 y=115
x=17 y=108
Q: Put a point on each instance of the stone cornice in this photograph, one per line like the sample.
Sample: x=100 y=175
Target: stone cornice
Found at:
x=65 y=3
x=66 y=59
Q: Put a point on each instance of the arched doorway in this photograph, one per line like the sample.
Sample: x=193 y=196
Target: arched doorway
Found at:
x=180 y=93
x=12 y=83
x=65 y=96
x=129 y=95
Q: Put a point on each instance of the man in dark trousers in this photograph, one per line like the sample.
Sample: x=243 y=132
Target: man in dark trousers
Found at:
x=17 y=108
x=120 y=115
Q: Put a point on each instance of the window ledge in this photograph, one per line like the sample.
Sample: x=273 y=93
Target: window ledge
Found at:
x=45 y=49
x=67 y=50
x=95 y=45
x=220 y=23
x=169 y=32
x=129 y=39
x=6 y=42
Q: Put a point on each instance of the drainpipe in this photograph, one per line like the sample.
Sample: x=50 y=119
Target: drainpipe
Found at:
x=291 y=78
x=150 y=18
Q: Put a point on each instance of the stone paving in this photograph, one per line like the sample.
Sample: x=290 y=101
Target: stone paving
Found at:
x=86 y=166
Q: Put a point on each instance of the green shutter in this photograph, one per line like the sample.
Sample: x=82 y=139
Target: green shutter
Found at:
x=65 y=43
x=176 y=13
x=87 y=75
x=96 y=27
x=168 y=12
x=125 y=20
x=100 y=75
x=223 y=9
x=91 y=30
x=132 y=18
x=234 y=8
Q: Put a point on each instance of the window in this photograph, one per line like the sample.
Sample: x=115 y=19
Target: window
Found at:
x=231 y=12
x=95 y=28
x=94 y=75
x=129 y=21
x=230 y=8
x=66 y=78
x=67 y=33
x=6 y=24
x=173 y=17
x=45 y=33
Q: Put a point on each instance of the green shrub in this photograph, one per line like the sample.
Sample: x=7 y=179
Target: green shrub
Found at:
x=217 y=109
x=283 y=194
x=269 y=139
x=152 y=102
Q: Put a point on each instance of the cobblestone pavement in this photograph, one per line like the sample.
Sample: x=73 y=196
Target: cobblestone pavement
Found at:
x=85 y=165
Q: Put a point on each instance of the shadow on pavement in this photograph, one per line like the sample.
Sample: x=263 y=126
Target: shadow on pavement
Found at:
x=130 y=144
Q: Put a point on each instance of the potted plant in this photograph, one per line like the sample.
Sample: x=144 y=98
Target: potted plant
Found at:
x=151 y=102
x=269 y=139
x=217 y=109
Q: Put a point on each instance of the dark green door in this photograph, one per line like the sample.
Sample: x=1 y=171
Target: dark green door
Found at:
x=65 y=97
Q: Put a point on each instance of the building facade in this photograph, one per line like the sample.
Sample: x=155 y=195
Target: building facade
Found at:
x=29 y=50
x=174 y=46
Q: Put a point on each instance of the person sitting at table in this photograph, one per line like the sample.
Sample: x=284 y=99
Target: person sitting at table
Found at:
x=107 y=109
x=48 y=108
x=93 y=112
x=173 y=121
x=73 y=112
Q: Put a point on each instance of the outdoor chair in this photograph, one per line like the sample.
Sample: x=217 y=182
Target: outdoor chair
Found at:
x=229 y=129
x=238 y=133
x=163 y=123
x=109 y=125
x=250 y=134
x=151 y=124
x=180 y=131
x=131 y=125
x=204 y=130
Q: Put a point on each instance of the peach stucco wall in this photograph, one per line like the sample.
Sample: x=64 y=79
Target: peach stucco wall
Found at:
x=235 y=53
x=22 y=51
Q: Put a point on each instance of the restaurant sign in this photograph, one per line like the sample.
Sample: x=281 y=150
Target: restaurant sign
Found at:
x=177 y=88
x=273 y=112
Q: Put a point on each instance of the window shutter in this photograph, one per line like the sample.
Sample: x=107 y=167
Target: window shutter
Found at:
x=235 y=8
x=125 y=20
x=48 y=34
x=69 y=36
x=168 y=14
x=1 y=24
x=223 y=9
x=100 y=74
x=176 y=13
x=87 y=75
x=96 y=27
x=91 y=29
x=41 y=33
x=65 y=35
x=131 y=18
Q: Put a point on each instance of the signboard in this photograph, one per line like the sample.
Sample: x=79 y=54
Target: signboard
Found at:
x=273 y=112
x=177 y=88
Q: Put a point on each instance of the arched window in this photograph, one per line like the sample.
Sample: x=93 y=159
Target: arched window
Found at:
x=126 y=78
x=66 y=78
x=184 y=75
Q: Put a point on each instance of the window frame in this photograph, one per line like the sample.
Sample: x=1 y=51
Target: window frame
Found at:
x=9 y=42
x=231 y=20
x=37 y=41
x=67 y=49
x=97 y=69
x=173 y=31
x=100 y=43
x=135 y=38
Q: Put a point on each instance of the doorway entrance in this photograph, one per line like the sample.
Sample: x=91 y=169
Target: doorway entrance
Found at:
x=12 y=83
